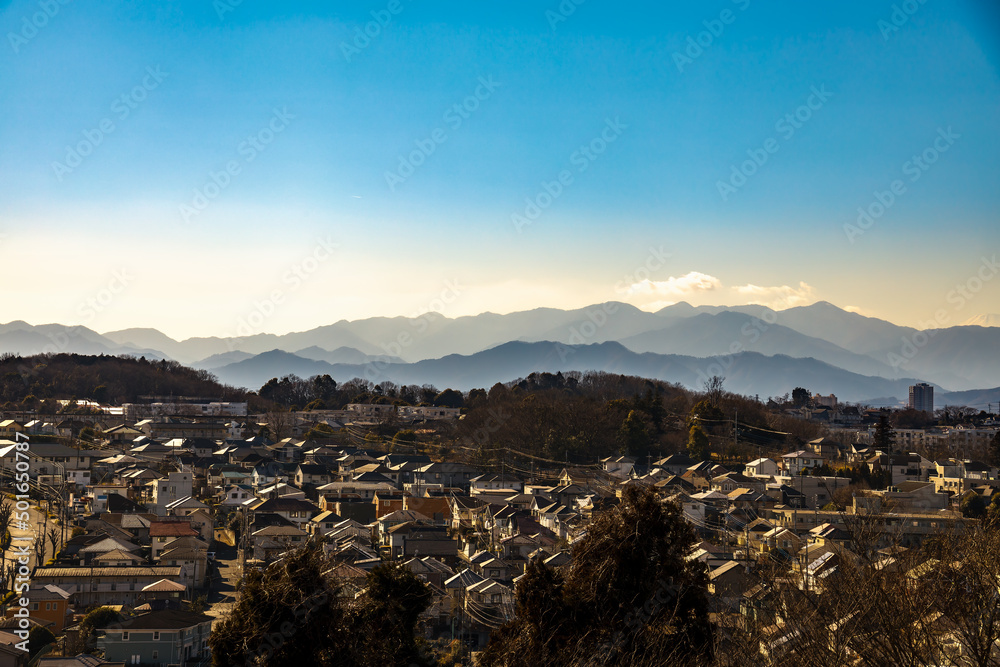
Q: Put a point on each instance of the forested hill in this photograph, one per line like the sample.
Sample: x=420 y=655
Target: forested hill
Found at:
x=26 y=381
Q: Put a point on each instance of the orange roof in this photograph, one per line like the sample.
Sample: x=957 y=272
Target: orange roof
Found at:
x=171 y=529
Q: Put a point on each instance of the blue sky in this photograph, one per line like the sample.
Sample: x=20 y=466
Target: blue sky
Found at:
x=315 y=122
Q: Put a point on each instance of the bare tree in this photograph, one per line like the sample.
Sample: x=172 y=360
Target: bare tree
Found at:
x=714 y=389
x=54 y=539
x=279 y=423
x=6 y=515
x=40 y=550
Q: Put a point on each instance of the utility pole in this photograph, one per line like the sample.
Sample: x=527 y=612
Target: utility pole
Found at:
x=736 y=429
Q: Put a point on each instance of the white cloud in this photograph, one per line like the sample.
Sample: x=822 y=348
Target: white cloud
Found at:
x=853 y=309
x=778 y=297
x=687 y=284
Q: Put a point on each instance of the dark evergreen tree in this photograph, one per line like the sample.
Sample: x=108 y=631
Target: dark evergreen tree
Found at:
x=629 y=598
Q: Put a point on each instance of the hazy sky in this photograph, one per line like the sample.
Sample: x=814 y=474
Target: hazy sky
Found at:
x=193 y=165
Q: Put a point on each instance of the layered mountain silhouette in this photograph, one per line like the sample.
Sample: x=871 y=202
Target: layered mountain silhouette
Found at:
x=759 y=351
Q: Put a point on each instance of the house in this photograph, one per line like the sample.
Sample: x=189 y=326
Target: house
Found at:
x=430 y=570
x=419 y=538
x=323 y=523
x=191 y=555
x=956 y=476
x=436 y=508
x=100 y=546
x=295 y=510
x=49 y=605
x=733 y=480
x=387 y=502
x=185 y=507
x=903 y=467
x=825 y=448
x=388 y=521
x=10 y=655
x=312 y=474
x=795 y=462
x=423 y=412
x=272 y=541
x=235 y=495
x=9 y=428
x=675 y=464
x=762 y=468
x=491 y=483
x=784 y=539
x=175 y=486
x=815 y=491
x=618 y=466
x=89 y=586
x=729 y=581
x=158 y=638
x=122 y=434
x=162 y=533
x=449 y=474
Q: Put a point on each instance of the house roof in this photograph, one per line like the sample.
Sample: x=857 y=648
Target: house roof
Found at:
x=402 y=516
x=109 y=544
x=463 y=579
x=724 y=568
x=313 y=469
x=168 y=619
x=285 y=504
x=164 y=585
x=325 y=517
x=171 y=528
x=125 y=571
x=183 y=553
x=277 y=531
x=119 y=554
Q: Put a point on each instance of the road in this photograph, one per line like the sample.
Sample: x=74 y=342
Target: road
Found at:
x=38 y=522
x=225 y=574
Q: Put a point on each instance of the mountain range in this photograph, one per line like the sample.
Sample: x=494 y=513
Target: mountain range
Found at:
x=758 y=350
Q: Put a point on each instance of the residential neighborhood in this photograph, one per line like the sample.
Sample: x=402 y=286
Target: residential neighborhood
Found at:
x=162 y=529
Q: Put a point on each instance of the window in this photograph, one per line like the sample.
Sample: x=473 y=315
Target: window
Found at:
x=156 y=654
x=125 y=636
x=34 y=606
x=156 y=638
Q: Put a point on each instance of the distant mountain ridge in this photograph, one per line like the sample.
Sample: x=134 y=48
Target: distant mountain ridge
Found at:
x=749 y=373
x=957 y=358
